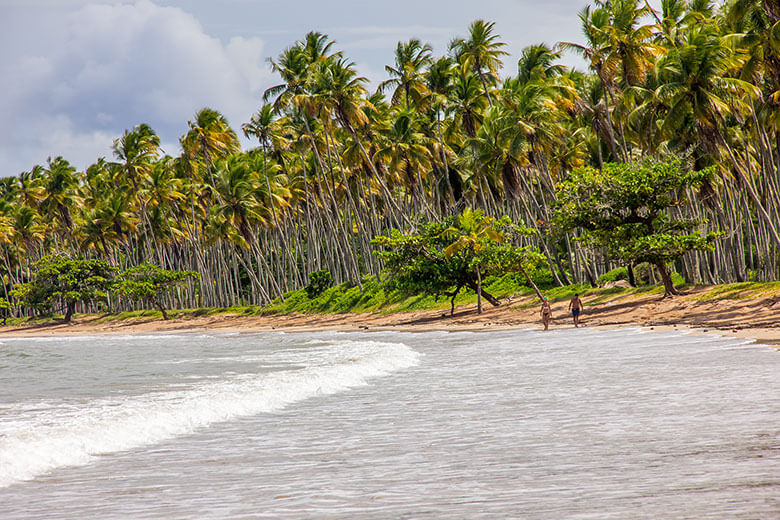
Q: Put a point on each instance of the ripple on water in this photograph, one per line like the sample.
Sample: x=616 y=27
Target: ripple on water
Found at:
x=568 y=424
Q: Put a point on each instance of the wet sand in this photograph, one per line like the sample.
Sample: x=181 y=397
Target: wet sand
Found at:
x=756 y=317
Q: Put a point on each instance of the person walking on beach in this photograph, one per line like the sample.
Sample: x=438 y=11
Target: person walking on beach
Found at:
x=575 y=305
x=546 y=313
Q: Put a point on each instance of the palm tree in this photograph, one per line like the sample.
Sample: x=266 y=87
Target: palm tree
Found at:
x=28 y=229
x=137 y=150
x=403 y=148
x=696 y=84
x=596 y=52
x=481 y=53
x=237 y=187
x=537 y=63
x=627 y=42
x=210 y=137
x=467 y=104
x=500 y=152
x=60 y=183
x=474 y=231
x=31 y=190
x=407 y=76
x=261 y=127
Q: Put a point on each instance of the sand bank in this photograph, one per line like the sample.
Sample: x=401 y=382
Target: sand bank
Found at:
x=755 y=317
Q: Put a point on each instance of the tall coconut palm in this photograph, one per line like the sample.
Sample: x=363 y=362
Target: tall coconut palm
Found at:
x=500 y=152
x=628 y=42
x=210 y=137
x=596 y=52
x=467 y=103
x=137 y=149
x=60 y=184
x=261 y=127
x=403 y=148
x=538 y=63
x=694 y=85
x=407 y=76
x=481 y=53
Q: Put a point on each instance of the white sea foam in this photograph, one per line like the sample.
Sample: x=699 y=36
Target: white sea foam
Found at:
x=67 y=434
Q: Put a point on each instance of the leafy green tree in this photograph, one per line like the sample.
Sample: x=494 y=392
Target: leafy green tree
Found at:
x=444 y=257
x=5 y=306
x=625 y=208
x=58 y=278
x=150 y=282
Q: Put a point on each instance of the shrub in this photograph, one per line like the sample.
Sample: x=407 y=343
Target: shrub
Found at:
x=621 y=273
x=318 y=282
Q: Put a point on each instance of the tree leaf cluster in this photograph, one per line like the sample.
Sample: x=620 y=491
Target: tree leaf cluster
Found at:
x=149 y=282
x=628 y=209
x=58 y=279
x=444 y=257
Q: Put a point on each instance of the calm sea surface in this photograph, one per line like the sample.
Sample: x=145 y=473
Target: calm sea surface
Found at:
x=571 y=423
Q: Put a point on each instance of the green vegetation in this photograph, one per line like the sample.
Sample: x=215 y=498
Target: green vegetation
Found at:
x=318 y=282
x=449 y=133
x=385 y=297
x=445 y=257
x=5 y=306
x=149 y=282
x=737 y=291
x=56 y=278
x=624 y=208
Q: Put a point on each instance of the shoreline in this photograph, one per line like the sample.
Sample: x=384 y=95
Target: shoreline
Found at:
x=756 y=318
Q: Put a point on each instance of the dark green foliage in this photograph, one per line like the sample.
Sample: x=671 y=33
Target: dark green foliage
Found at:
x=621 y=273
x=318 y=282
x=625 y=209
x=539 y=273
x=385 y=296
x=5 y=305
x=67 y=280
x=150 y=282
x=445 y=257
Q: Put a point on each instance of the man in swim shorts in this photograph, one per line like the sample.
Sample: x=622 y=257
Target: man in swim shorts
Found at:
x=576 y=309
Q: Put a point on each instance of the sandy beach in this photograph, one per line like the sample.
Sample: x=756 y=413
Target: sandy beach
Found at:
x=753 y=317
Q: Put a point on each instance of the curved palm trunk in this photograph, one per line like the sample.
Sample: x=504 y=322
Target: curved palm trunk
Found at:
x=379 y=179
x=444 y=158
x=748 y=184
x=479 y=291
x=285 y=244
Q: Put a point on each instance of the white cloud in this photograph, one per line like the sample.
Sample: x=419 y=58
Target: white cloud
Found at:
x=108 y=67
x=77 y=73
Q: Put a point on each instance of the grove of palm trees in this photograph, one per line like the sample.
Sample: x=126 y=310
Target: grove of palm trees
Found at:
x=337 y=165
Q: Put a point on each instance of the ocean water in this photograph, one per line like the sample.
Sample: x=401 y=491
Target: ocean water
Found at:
x=575 y=423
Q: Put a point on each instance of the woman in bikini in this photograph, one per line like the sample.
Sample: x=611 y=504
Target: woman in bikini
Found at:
x=546 y=313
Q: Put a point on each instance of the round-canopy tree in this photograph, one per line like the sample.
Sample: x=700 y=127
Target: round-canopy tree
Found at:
x=444 y=257
x=151 y=283
x=624 y=208
x=68 y=280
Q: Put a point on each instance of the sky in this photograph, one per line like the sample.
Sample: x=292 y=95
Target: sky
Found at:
x=77 y=73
